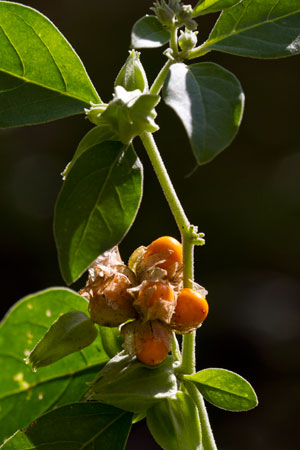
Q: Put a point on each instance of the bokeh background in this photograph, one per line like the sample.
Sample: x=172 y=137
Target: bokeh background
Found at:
x=247 y=201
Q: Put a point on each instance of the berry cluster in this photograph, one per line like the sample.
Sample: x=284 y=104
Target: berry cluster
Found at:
x=146 y=297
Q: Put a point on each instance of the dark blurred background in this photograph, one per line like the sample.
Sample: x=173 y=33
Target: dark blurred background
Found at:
x=247 y=201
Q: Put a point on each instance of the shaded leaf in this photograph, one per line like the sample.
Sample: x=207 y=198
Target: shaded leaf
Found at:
x=148 y=32
x=77 y=426
x=24 y=395
x=269 y=29
x=128 y=384
x=210 y=6
x=224 y=389
x=70 y=333
x=41 y=76
x=174 y=423
x=209 y=101
x=97 y=205
x=111 y=340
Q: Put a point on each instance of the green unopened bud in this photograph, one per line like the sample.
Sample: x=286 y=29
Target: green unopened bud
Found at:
x=175 y=5
x=70 y=333
x=164 y=13
x=185 y=12
x=187 y=40
x=132 y=75
x=94 y=112
x=191 y=24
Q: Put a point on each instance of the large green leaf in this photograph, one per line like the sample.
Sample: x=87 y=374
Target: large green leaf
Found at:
x=96 y=135
x=41 y=76
x=97 y=205
x=174 y=423
x=148 y=32
x=210 y=6
x=261 y=29
x=128 y=384
x=74 y=427
x=209 y=101
x=24 y=395
x=224 y=389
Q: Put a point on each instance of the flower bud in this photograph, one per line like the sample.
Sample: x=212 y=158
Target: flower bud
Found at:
x=187 y=40
x=132 y=75
x=164 y=13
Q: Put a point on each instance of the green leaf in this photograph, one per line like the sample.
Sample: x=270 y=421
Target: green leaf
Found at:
x=259 y=29
x=41 y=76
x=70 y=333
x=24 y=395
x=209 y=101
x=77 y=426
x=174 y=423
x=128 y=384
x=96 y=135
x=148 y=32
x=211 y=6
x=224 y=389
x=97 y=205
x=111 y=340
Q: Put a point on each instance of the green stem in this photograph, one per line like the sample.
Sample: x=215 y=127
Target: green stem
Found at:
x=208 y=441
x=159 y=80
x=187 y=365
x=165 y=182
x=174 y=41
x=197 y=52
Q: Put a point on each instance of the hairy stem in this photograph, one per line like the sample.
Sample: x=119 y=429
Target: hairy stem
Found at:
x=187 y=365
x=208 y=441
x=165 y=182
x=159 y=80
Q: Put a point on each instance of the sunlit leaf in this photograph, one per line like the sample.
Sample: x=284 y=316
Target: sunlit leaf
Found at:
x=261 y=29
x=41 y=76
x=97 y=205
x=24 y=394
x=148 y=32
x=224 y=389
x=210 y=6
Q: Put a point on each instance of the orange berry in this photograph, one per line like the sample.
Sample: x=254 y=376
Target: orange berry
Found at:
x=153 y=291
x=155 y=300
x=149 y=341
x=170 y=249
x=191 y=310
x=152 y=352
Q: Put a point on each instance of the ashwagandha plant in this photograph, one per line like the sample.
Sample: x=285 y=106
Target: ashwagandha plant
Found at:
x=118 y=333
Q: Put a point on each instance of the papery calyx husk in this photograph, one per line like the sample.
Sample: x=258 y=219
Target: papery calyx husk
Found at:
x=150 y=341
x=110 y=303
